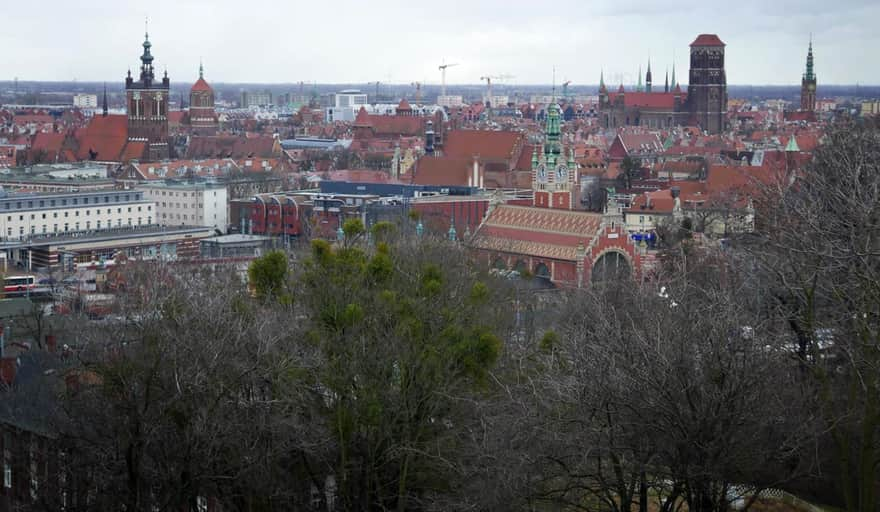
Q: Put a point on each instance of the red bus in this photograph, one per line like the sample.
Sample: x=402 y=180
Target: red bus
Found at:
x=19 y=284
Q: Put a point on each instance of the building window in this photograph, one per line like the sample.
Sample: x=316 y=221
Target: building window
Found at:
x=88 y=212
x=77 y=226
x=66 y=227
x=88 y=224
x=54 y=228
x=98 y=226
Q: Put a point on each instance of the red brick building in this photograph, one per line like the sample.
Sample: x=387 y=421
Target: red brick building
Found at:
x=552 y=239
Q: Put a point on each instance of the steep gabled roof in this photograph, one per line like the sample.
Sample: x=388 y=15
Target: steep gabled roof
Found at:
x=201 y=86
x=106 y=136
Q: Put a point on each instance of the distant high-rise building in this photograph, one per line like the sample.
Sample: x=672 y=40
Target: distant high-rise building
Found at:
x=85 y=100
x=147 y=104
x=255 y=99
x=707 y=84
x=808 y=84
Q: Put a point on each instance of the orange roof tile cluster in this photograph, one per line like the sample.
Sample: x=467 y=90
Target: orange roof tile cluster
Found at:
x=664 y=101
x=105 y=138
x=232 y=146
x=488 y=144
x=443 y=170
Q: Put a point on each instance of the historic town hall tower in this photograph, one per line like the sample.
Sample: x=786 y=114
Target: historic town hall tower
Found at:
x=808 y=84
x=707 y=86
x=553 y=174
x=147 y=103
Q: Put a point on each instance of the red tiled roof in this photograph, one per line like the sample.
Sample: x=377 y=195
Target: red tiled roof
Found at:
x=225 y=146
x=201 y=85
x=106 y=136
x=134 y=150
x=363 y=118
x=404 y=105
x=49 y=142
x=444 y=171
x=707 y=40
x=175 y=116
x=539 y=232
x=489 y=145
x=657 y=100
x=392 y=126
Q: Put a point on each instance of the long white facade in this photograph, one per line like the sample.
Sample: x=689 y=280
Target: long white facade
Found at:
x=25 y=215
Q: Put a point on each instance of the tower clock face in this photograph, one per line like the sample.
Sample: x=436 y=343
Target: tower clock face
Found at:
x=542 y=173
x=561 y=173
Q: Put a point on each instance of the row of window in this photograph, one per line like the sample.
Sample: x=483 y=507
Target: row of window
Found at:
x=76 y=226
x=181 y=205
x=76 y=213
x=7 y=205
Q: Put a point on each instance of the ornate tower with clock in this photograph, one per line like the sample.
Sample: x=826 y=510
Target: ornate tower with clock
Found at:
x=147 y=104
x=554 y=174
x=808 y=84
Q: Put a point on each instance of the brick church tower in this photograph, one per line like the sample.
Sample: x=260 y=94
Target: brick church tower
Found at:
x=147 y=103
x=202 y=117
x=707 y=86
x=808 y=84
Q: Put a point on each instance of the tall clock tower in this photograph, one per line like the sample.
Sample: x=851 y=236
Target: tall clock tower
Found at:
x=553 y=176
x=808 y=84
x=707 y=84
x=147 y=104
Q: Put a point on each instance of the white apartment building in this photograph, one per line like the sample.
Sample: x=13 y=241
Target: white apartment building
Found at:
x=450 y=101
x=25 y=215
x=346 y=105
x=189 y=204
x=85 y=100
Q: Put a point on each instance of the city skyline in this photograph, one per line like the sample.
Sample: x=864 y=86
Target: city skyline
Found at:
x=396 y=42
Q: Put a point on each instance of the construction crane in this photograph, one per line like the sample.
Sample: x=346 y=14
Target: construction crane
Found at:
x=442 y=69
x=418 y=86
x=488 y=80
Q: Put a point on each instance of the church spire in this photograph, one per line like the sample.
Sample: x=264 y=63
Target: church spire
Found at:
x=809 y=74
x=648 y=77
x=674 y=83
x=201 y=69
x=666 y=87
x=639 y=86
x=104 y=113
x=601 y=80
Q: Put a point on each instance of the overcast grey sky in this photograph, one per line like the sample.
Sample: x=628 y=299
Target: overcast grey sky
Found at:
x=403 y=41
